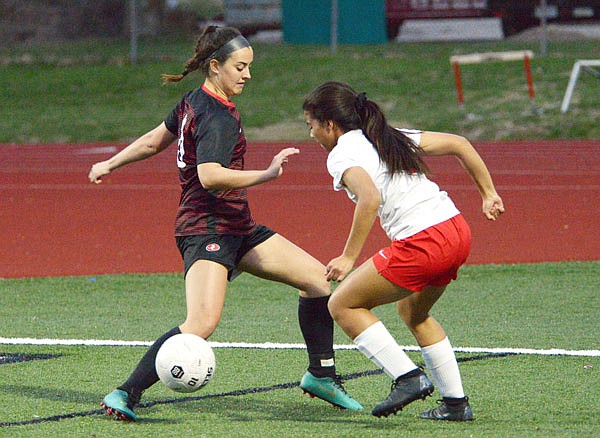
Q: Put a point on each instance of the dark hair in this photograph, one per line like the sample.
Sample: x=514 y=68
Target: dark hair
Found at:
x=339 y=103
x=211 y=39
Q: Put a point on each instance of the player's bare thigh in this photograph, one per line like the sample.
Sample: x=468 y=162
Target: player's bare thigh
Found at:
x=278 y=259
x=366 y=288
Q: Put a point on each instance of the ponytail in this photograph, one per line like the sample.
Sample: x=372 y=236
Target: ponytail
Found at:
x=339 y=103
x=207 y=47
x=395 y=149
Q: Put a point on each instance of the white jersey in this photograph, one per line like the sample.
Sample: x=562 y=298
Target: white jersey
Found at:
x=409 y=202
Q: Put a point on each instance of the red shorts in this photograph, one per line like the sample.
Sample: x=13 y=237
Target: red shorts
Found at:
x=429 y=258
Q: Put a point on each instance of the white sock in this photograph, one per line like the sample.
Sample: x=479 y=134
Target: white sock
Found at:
x=378 y=345
x=441 y=362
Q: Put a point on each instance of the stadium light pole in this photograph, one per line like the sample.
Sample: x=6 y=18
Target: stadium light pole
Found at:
x=133 y=32
x=334 y=26
x=543 y=21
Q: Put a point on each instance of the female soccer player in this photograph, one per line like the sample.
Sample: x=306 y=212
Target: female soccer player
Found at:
x=214 y=230
x=381 y=170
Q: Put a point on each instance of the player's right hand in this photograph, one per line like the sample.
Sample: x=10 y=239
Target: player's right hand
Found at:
x=97 y=171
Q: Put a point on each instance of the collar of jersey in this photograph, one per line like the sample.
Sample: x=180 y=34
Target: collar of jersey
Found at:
x=219 y=98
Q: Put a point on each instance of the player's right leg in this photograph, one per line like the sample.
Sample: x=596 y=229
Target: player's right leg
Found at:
x=206 y=283
x=121 y=402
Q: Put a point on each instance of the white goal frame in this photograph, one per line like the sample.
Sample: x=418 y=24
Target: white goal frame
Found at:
x=581 y=64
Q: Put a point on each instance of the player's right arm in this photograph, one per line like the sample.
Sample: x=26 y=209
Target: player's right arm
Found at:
x=368 y=199
x=149 y=144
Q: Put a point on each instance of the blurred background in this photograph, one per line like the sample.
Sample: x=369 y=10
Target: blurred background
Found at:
x=80 y=79
x=87 y=64
x=295 y=21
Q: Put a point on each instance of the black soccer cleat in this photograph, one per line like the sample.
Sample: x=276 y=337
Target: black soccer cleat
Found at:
x=406 y=389
x=450 y=409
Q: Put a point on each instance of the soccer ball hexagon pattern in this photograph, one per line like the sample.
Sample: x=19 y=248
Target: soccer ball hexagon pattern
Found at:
x=185 y=362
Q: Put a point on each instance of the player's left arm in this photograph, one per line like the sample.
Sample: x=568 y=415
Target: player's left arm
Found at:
x=360 y=183
x=436 y=144
x=214 y=176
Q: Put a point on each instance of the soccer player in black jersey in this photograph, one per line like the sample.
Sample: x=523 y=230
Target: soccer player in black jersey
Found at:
x=214 y=230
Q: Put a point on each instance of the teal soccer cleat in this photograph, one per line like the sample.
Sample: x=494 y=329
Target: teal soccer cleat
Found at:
x=116 y=404
x=330 y=390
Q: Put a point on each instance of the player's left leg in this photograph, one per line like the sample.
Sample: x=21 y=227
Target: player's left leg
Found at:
x=280 y=260
x=437 y=353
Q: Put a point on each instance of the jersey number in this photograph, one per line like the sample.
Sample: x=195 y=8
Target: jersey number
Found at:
x=180 y=149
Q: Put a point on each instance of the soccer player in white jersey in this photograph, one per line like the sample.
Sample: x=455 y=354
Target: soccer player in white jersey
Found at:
x=381 y=170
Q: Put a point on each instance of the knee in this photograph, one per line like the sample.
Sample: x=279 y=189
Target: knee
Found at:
x=318 y=287
x=335 y=306
x=203 y=328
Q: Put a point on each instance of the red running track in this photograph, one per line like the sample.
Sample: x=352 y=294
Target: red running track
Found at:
x=54 y=222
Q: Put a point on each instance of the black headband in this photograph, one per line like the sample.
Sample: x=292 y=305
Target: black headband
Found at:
x=239 y=42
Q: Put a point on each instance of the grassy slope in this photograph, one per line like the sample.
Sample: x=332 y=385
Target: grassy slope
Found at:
x=87 y=91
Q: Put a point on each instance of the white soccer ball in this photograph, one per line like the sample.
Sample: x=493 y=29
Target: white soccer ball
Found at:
x=185 y=362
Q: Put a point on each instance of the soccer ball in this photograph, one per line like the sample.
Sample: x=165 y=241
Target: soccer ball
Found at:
x=185 y=362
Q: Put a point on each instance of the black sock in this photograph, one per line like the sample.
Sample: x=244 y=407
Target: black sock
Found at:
x=316 y=325
x=144 y=375
x=455 y=401
x=413 y=373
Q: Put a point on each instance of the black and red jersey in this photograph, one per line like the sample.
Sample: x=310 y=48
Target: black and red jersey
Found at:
x=209 y=130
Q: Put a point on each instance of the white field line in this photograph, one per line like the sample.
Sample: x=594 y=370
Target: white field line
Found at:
x=96 y=150
x=279 y=346
x=287 y=188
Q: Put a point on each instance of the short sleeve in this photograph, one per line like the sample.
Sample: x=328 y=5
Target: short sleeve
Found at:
x=340 y=159
x=172 y=120
x=413 y=134
x=216 y=137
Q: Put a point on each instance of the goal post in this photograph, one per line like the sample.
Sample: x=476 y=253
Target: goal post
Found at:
x=581 y=64
x=478 y=58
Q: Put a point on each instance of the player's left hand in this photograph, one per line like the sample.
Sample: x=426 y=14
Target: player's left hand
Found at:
x=275 y=169
x=493 y=207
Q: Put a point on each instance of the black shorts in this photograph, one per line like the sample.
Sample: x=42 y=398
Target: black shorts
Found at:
x=226 y=250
